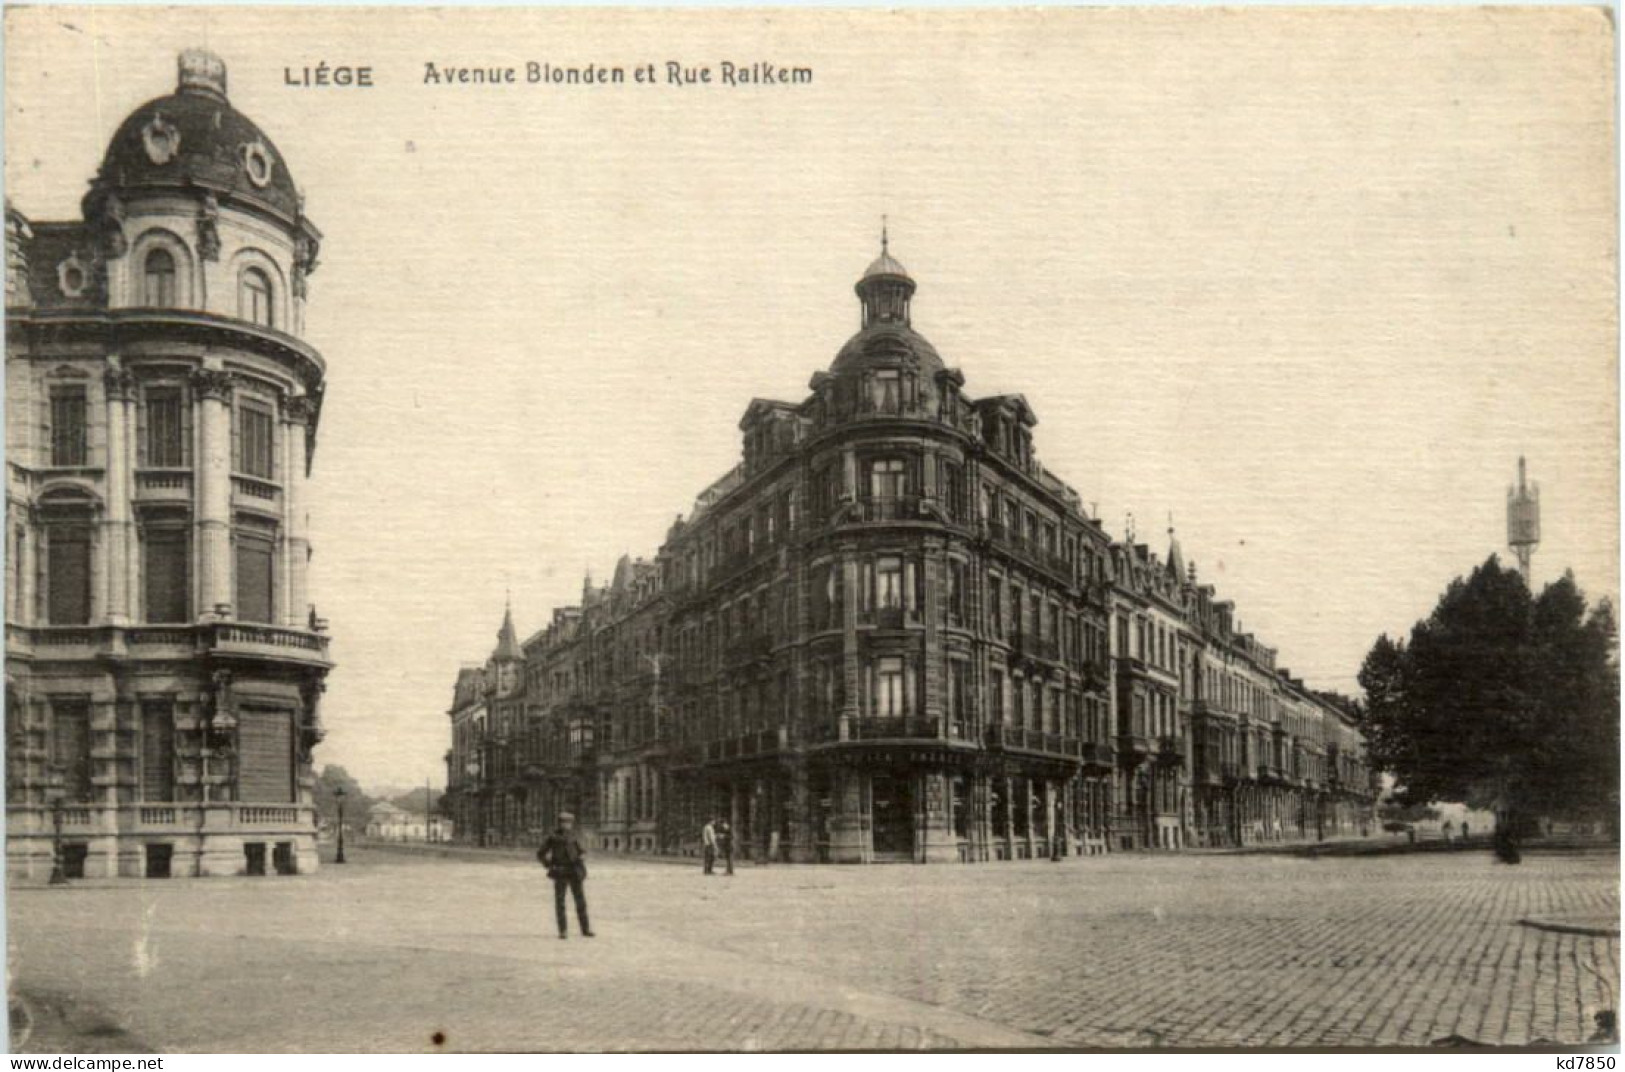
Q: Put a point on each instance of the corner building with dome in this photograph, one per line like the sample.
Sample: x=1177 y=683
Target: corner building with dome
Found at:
x=164 y=661
x=890 y=634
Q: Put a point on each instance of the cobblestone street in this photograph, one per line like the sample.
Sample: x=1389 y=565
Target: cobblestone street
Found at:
x=392 y=950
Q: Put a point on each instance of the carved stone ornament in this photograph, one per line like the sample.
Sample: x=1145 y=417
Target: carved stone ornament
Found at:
x=207 y=383
x=257 y=163
x=300 y=409
x=73 y=277
x=111 y=227
x=208 y=228
x=119 y=382
x=161 y=139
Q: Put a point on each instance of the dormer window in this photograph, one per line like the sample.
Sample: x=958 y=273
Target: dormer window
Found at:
x=254 y=298
x=888 y=390
x=158 y=279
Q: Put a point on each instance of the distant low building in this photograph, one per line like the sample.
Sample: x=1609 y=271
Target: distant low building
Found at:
x=389 y=822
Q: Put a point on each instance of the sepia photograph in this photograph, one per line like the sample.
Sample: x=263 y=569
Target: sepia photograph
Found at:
x=772 y=530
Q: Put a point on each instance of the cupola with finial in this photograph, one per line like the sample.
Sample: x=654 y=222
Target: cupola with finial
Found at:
x=885 y=288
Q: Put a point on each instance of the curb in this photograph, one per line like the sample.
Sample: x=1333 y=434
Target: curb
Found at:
x=1559 y=926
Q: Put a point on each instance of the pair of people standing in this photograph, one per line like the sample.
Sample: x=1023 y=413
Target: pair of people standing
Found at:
x=717 y=837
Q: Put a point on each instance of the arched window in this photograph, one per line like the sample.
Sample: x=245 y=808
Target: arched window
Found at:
x=254 y=298
x=159 y=288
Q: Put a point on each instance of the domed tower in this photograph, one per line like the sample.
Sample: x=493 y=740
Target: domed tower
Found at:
x=165 y=657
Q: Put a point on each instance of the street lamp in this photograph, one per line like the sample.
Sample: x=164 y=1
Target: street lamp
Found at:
x=338 y=795
x=57 y=791
x=473 y=769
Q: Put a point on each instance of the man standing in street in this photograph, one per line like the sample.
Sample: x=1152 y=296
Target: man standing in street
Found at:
x=708 y=841
x=566 y=865
x=725 y=840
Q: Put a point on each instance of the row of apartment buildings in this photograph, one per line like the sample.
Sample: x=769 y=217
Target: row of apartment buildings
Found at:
x=891 y=634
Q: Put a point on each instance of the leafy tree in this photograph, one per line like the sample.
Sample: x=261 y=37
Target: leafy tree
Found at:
x=1501 y=699
x=356 y=802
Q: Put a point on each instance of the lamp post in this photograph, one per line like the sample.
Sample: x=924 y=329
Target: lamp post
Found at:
x=338 y=795
x=57 y=791
x=473 y=770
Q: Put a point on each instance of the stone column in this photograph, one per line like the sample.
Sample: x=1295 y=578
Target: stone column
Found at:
x=936 y=832
x=847 y=841
x=850 y=669
x=802 y=849
x=934 y=565
x=27 y=564
x=297 y=415
x=212 y=473
x=117 y=525
x=1008 y=834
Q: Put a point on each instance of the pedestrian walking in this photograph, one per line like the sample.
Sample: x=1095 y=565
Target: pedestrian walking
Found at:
x=566 y=865
x=708 y=842
x=725 y=841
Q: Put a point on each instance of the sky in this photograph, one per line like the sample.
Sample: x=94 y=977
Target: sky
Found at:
x=1308 y=281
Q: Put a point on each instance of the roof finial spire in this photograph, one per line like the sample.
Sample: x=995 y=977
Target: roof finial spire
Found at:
x=885 y=236
x=1170 y=522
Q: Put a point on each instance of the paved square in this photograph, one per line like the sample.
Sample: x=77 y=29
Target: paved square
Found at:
x=393 y=950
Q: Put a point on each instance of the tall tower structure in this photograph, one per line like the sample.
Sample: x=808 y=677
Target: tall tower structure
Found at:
x=1523 y=519
x=164 y=661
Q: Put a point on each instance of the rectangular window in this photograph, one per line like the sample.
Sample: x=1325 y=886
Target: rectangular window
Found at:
x=995 y=602
x=157 y=750
x=887 y=479
x=165 y=440
x=68 y=576
x=889 y=688
x=995 y=691
x=254 y=447
x=889 y=583
x=165 y=574
x=254 y=575
x=69 y=436
x=70 y=747
x=956 y=591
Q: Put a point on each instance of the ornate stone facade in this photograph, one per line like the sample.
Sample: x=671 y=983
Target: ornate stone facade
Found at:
x=163 y=669
x=891 y=634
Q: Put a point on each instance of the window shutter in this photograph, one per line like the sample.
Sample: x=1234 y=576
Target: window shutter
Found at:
x=157 y=752
x=166 y=575
x=254 y=577
x=69 y=575
x=70 y=746
x=266 y=756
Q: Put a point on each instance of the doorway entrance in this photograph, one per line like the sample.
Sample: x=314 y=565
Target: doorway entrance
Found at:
x=892 y=815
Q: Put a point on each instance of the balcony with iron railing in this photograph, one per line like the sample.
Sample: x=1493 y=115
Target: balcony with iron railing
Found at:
x=893 y=727
x=1133 y=744
x=1098 y=755
x=1034 y=646
x=766 y=742
x=1170 y=749
x=1008 y=738
x=1008 y=538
